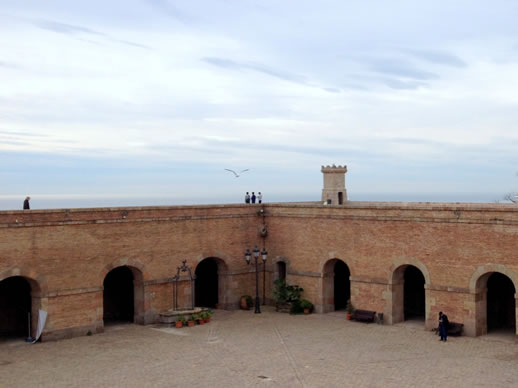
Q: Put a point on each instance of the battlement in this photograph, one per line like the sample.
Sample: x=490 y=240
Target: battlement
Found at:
x=334 y=169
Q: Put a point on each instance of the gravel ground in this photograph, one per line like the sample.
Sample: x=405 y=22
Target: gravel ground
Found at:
x=243 y=349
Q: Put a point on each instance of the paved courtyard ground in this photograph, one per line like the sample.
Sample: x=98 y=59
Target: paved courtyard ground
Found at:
x=242 y=349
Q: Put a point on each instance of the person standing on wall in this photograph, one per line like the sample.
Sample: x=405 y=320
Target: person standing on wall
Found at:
x=253 y=197
x=247 y=197
x=259 y=197
x=443 y=326
x=26 y=205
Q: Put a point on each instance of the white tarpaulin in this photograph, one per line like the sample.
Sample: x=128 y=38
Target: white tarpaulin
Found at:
x=42 y=319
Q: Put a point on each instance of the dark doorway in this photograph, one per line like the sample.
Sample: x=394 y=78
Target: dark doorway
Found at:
x=281 y=270
x=414 y=296
x=118 y=296
x=206 y=283
x=340 y=198
x=501 y=314
x=15 y=306
x=342 y=285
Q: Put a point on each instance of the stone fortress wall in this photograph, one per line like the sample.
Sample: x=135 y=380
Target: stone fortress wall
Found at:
x=362 y=249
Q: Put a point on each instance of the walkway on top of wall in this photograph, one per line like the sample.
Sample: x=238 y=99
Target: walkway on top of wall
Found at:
x=416 y=211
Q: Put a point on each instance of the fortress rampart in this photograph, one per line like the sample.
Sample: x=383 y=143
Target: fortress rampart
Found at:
x=357 y=250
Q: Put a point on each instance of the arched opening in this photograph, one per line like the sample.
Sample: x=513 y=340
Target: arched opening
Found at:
x=336 y=285
x=407 y=285
x=15 y=306
x=281 y=270
x=342 y=285
x=208 y=285
x=119 y=296
x=501 y=309
x=414 y=294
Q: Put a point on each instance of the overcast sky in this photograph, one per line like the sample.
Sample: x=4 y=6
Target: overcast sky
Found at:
x=154 y=98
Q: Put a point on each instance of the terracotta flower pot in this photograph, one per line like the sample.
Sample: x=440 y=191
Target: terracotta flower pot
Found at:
x=348 y=316
x=178 y=324
x=191 y=323
x=306 y=311
x=243 y=304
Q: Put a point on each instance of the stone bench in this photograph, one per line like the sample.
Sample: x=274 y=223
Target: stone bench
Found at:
x=364 y=315
x=455 y=328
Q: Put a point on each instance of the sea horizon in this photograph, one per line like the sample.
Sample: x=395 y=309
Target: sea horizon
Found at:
x=61 y=201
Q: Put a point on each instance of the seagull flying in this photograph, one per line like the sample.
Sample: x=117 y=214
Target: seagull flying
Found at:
x=237 y=173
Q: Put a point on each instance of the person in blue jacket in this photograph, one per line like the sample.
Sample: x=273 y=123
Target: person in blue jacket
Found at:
x=443 y=326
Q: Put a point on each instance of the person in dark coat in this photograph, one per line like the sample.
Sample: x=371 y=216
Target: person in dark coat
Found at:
x=443 y=326
x=26 y=205
x=253 y=197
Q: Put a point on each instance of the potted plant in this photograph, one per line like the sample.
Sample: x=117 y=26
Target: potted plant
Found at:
x=205 y=316
x=246 y=302
x=306 y=305
x=198 y=319
x=180 y=321
x=191 y=322
x=349 y=310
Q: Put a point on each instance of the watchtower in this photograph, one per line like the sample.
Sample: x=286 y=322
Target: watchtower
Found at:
x=334 y=192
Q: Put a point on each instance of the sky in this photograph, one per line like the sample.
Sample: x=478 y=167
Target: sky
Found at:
x=135 y=102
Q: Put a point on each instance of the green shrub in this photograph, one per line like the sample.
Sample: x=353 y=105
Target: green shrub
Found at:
x=296 y=308
x=280 y=293
x=306 y=304
x=249 y=300
x=285 y=293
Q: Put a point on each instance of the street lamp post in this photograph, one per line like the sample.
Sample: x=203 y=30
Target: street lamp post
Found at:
x=248 y=256
x=264 y=254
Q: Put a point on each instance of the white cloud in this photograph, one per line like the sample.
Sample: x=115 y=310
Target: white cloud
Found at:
x=291 y=84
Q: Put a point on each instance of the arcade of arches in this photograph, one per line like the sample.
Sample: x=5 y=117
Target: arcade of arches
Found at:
x=123 y=295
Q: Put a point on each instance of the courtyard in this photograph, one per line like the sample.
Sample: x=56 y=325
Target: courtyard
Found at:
x=243 y=349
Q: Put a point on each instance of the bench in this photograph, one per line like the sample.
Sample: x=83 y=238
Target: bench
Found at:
x=364 y=315
x=455 y=328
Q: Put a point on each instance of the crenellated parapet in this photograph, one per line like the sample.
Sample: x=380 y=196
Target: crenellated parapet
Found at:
x=334 y=169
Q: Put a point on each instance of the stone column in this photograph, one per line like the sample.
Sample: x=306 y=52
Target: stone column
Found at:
x=394 y=306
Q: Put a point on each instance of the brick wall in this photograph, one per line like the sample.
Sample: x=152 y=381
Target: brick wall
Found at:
x=68 y=253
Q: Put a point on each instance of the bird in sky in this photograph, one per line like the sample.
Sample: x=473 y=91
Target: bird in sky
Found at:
x=237 y=174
